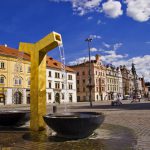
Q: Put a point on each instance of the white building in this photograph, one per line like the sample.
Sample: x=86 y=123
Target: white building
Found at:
x=120 y=83
x=56 y=90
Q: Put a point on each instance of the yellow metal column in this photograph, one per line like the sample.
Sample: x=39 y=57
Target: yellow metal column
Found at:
x=38 y=52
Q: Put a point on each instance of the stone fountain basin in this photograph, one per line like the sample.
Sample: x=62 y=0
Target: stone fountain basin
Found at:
x=74 y=125
x=11 y=118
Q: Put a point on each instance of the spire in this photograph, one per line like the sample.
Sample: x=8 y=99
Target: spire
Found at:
x=133 y=69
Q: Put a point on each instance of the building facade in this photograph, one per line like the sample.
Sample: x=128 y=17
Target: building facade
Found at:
x=14 y=87
x=98 y=80
x=15 y=79
x=114 y=81
x=57 y=89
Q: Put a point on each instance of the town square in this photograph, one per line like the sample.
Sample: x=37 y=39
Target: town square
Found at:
x=83 y=87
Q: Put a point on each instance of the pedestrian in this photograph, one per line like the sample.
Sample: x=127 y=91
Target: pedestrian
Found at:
x=134 y=99
x=139 y=97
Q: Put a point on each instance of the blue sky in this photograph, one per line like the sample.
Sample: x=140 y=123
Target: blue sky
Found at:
x=120 y=29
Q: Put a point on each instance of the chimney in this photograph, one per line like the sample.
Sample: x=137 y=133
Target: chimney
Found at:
x=97 y=57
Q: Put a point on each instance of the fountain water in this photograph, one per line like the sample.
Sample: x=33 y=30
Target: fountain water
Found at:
x=64 y=74
x=72 y=125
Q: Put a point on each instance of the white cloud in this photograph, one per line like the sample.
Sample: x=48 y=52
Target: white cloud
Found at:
x=142 y=65
x=95 y=36
x=85 y=6
x=89 y=18
x=81 y=60
x=117 y=45
x=114 y=46
x=99 y=21
x=112 y=8
x=139 y=10
x=93 y=49
x=109 y=57
x=106 y=45
x=82 y=7
x=148 y=42
x=112 y=56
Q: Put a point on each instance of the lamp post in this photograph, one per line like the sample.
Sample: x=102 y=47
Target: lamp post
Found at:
x=88 y=40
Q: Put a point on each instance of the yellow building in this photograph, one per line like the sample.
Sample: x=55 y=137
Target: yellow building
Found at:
x=15 y=79
x=14 y=83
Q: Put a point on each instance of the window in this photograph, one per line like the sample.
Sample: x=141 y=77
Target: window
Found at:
x=83 y=73
x=57 y=75
x=83 y=80
x=84 y=98
x=78 y=90
x=96 y=89
x=18 y=67
x=2 y=79
x=49 y=73
x=49 y=96
x=69 y=77
x=29 y=70
x=83 y=89
x=77 y=73
x=78 y=98
x=28 y=81
x=21 y=68
x=57 y=85
x=70 y=86
x=17 y=81
x=70 y=97
x=49 y=84
x=63 y=97
x=77 y=81
x=62 y=85
x=2 y=65
x=103 y=89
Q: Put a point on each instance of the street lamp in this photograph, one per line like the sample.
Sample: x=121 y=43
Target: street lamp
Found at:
x=88 y=40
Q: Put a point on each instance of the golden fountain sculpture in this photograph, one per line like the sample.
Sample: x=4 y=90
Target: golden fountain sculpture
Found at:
x=37 y=52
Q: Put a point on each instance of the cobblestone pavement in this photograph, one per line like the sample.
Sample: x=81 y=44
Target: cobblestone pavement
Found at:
x=135 y=116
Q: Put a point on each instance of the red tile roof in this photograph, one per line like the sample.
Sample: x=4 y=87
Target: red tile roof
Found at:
x=11 y=52
x=52 y=63
x=7 y=51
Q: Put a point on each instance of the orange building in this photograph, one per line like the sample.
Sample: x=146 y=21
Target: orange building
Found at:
x=98 y=80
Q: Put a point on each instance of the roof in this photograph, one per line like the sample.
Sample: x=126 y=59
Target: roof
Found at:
x=52 y=63
x=7 y=51
x=11 y=52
